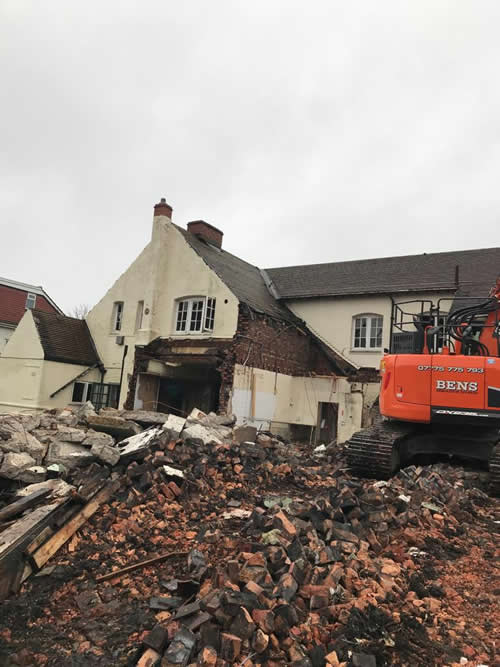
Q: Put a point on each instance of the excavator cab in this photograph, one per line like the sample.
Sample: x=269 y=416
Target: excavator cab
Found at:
x=440 y=386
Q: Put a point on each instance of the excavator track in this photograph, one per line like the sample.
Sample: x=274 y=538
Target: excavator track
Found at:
x=373 y=451
x=494 y=465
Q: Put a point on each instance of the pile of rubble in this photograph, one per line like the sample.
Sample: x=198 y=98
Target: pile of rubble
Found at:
x=213 y=545
x=34 y=447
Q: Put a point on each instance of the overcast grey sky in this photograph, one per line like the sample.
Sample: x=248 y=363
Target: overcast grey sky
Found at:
x=308 y=132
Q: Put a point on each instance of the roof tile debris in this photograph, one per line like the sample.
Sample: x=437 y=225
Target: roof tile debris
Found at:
x=255 y=553
x=477 y=272
x=65 y=339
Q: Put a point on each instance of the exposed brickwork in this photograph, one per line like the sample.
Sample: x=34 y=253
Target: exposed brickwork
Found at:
x=13 y=304
x=260 y=342
x=206 y=231
x=140 y=366
x=162 y=208
x=366 y=375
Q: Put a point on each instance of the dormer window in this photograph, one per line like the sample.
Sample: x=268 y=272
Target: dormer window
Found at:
x=30 y=300
x=195 y=315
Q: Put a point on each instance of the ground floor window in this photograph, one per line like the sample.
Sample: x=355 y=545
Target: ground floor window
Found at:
x=100 y=395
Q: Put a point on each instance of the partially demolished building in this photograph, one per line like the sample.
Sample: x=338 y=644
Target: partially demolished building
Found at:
x=188 y=324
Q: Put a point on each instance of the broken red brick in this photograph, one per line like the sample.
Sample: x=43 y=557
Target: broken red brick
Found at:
x=230 y=647
x=282 y=522
x=207 y=657
x=264 y=618
x=243 y=625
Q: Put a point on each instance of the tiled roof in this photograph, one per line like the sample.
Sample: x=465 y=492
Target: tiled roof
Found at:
x=65 y=339
x=477 y=271
x=242 y=278
x=13 y=300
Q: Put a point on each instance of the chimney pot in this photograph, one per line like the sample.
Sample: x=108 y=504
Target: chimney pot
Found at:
x=206 y=231
x=163 y=208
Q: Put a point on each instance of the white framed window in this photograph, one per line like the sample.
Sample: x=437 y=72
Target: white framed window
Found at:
x=367 y=332
x=210 y=314
x=100 y=395
x=30 y=300
x=138 y=315
x=117 y=319
x=195 y=315
x=81 y=392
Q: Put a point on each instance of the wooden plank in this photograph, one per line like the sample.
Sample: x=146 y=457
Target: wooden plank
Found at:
x=16 y=538
x=63 y=517
x=19 y=506
x=18 y=577
x=39 y=540
x=27 y=572
x=54 y=543
x=89 y=488
x=137 y=566
x=24 y=527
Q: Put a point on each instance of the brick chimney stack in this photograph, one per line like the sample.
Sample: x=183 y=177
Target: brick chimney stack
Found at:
x=162 y=208
x=205 y=231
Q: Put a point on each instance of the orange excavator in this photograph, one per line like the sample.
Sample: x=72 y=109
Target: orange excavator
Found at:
x=440 y=387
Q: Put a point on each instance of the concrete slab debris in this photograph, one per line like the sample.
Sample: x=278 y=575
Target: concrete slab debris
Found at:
x=22 y=441
x=145 y=417
x=105 y=453
x=68 y=454
x=92 y=438
x=132 y=446
x=70 y=434
x=203 y=435
x=14 y=464
x=174 y=425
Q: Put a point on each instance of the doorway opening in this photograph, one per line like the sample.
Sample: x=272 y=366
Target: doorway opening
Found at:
x=326 y=425
x=188 y=388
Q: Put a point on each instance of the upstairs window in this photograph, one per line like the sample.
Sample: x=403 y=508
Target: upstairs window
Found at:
x=30 y=300
x=367 y=332
x=195 y=315
x=210 y=314
x=117 y=316
x=138 y=315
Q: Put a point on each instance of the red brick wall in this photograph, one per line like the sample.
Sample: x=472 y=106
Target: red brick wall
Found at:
x=13 y=304
x=262 y=342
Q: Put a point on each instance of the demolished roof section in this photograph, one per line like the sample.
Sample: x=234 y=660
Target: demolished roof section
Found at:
x=251 y=286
